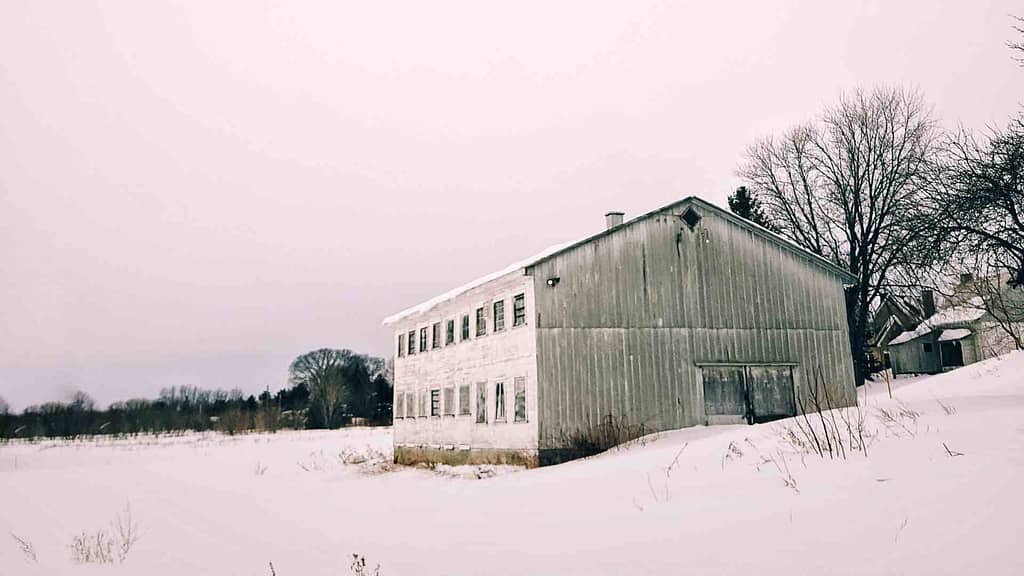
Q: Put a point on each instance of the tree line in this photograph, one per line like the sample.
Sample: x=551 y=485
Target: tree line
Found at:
x=327 y=388
x=876 y=186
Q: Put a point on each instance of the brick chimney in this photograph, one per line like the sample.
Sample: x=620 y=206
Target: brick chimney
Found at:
x=613 y=219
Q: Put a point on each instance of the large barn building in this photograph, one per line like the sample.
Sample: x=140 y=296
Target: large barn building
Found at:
x=683 y=316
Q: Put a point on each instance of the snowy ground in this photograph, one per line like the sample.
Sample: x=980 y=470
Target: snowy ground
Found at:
x=939 y=492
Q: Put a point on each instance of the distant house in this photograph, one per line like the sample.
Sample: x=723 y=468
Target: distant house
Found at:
x=685 y=315
x=962 y=332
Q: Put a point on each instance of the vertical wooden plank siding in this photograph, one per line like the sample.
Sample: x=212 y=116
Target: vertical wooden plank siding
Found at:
x=638 y=310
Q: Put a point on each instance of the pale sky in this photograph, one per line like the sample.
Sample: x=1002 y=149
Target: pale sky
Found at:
x=196 y=192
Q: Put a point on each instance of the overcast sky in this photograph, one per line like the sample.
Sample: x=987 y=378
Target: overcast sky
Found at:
x=196 y=192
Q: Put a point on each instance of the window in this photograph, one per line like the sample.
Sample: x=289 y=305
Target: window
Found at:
x=449 y=401
x=519 y=310
x=435 y=402
x=435 y=338
x=401 y=345
x=400 y=405
x=410 y=405
x=423 y=339
x=424 y=398
x=499 y=315
x=465 y=327
x=449 y=333
x=690 y=216
x=481 y=322
x=499 y=402
x=481 y=402
x=520 y=391
x=927 y=347
x=464 y=400
x=412 y=342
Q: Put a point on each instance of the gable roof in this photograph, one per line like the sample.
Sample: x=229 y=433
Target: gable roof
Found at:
x=950 y=317
x=557 y=249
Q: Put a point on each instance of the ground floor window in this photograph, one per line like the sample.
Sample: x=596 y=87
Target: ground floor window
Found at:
x=499 y=402
x=449 y=401
x=520 y=391
x=410 y=405
x=435 y=402
x=481 y=403
x=399 y=405
x=464 y=400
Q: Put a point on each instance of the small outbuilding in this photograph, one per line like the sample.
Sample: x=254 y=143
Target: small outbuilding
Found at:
x=686 y=315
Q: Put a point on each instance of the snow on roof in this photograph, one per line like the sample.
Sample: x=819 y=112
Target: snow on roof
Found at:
x=456 y=292
x=951 y=316
x=954 y=334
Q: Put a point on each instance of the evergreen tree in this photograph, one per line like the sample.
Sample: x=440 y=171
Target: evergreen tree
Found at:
x=743 y=204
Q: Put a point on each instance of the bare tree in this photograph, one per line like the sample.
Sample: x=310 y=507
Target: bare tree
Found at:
x=1018 y=46
x=5 y=408
x=321 y=372
x=847 y=187
x=977 y=208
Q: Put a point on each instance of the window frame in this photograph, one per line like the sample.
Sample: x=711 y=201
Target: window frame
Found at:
x=519 y=391
x=400 y=405
x=465 y=327
x=449 y=401
x=449 y=335
x=519 y=310
x=498 y=314
x=500 y=408
x=465 y=400
x=401 y=345
x=411 y=343
x=481 y=321
x=435 y=402
x=423 y=339
x=410 y=405
x=435 y=336
x=481 y=402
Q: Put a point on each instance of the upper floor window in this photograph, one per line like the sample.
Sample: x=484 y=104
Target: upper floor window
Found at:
x=435 y=337
x=465 y=327
x=519 y=310
x=423 y=339
x=401 y=345
x=412 y=342
x=481 y=322
x=449 y=333
x=499 y=315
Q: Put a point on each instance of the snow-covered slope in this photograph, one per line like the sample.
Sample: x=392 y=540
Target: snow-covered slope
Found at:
x=938 y=492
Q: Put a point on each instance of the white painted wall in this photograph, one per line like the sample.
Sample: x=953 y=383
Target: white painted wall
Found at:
x=495 y=357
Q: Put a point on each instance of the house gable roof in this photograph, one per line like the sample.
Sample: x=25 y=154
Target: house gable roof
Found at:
x=553 y=251
x=955 y=316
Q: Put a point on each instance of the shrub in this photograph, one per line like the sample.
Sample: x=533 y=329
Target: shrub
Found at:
x=611 y=431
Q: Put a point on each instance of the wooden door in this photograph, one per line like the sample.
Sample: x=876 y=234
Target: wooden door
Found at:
x=770 y=389
x=725 y=394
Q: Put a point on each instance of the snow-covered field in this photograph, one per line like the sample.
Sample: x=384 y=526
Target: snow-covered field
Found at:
x=940 y=491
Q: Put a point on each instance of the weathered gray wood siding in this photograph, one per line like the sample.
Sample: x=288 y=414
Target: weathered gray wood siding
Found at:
x=910 y=357
x=637 y=310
